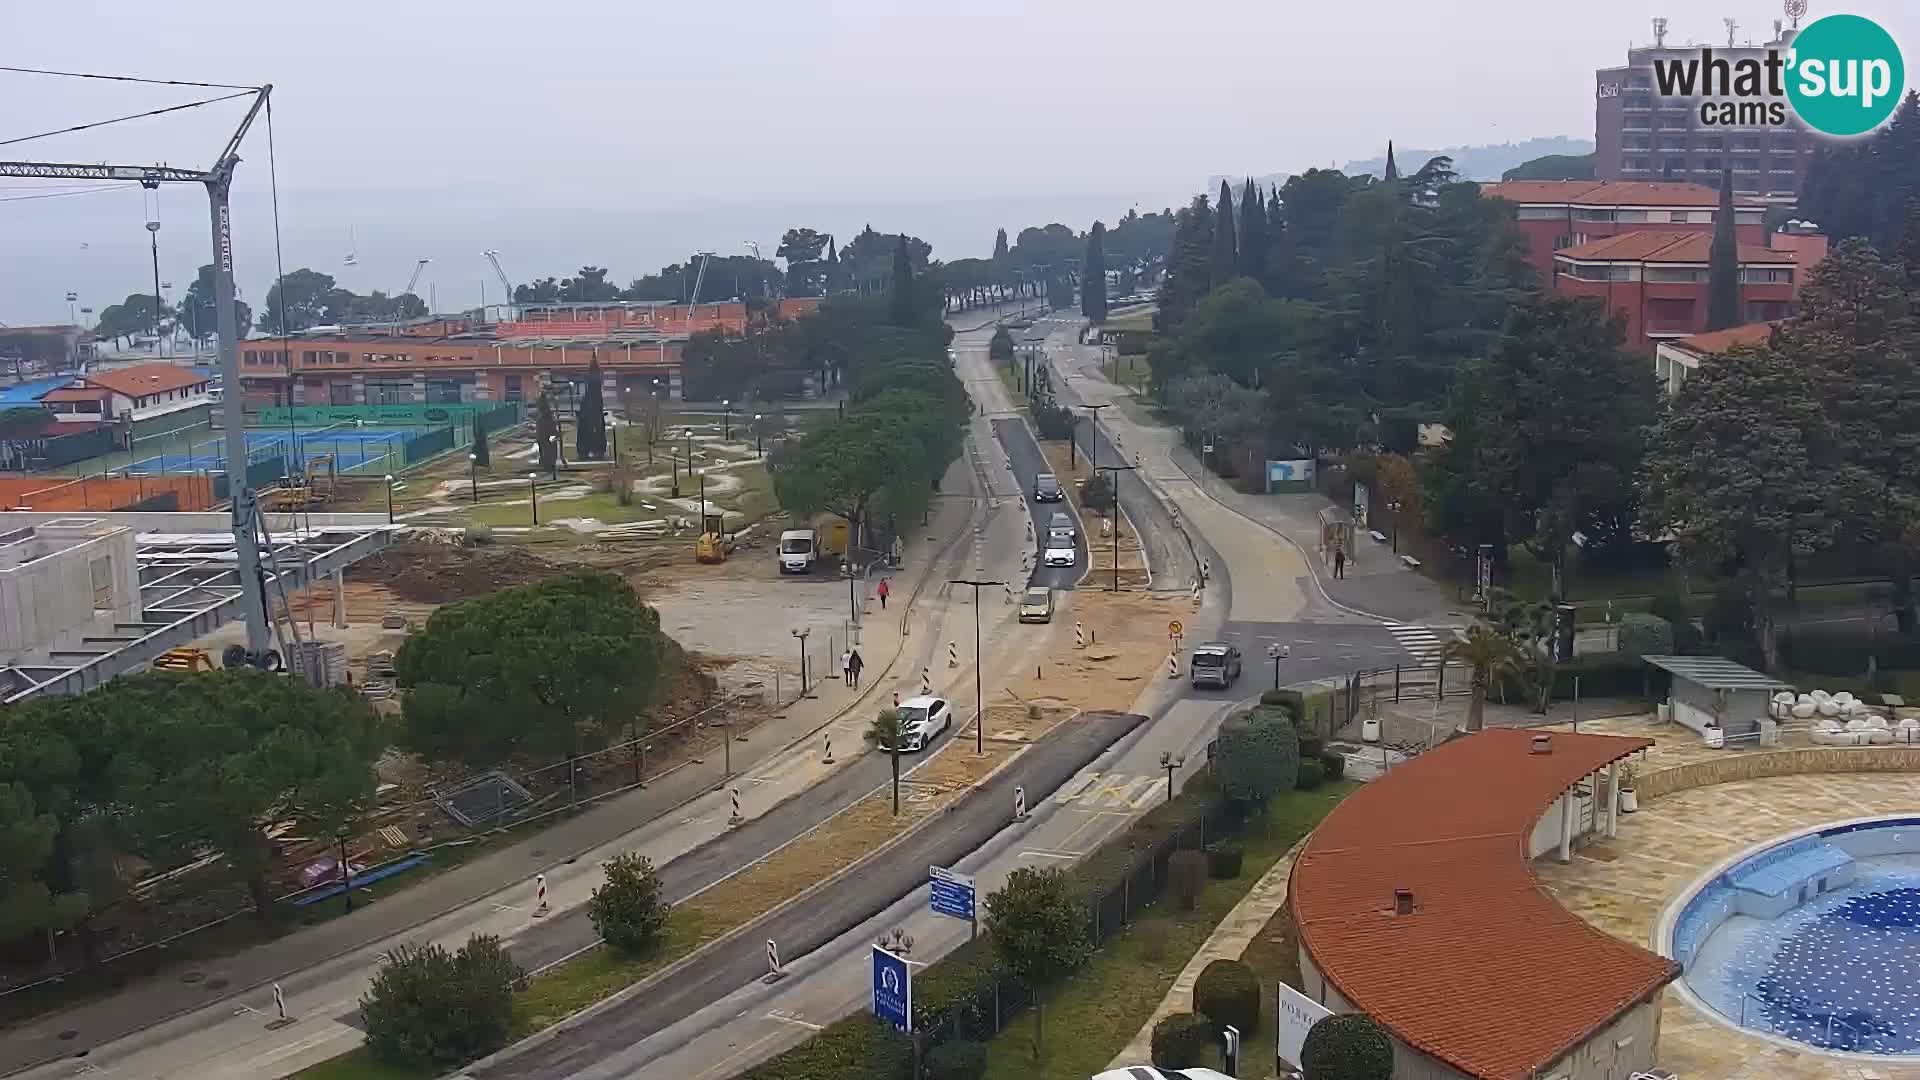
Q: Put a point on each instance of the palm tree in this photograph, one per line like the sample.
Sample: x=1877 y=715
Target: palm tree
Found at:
x=1490 y=654
x=888 y=733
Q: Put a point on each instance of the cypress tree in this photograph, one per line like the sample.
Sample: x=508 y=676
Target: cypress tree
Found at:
x=590 y=426
x=902 y=310
x=1253 y=233
x=1093 y=287
x=1723 y=266
x=1000 y=246
x=1393 y=171
x=1225 y=254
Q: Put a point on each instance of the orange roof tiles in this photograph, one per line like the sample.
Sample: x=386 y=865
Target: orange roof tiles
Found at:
x=1666 y=245
x=1607 y=193
x=1719 y=341
x=1489 y=974
x=140 y=380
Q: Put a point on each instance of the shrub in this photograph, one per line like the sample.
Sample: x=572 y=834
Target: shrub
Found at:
x=1349 y=1046
x=1334 y=764
x=1645 y=635
x=1673 y=605
x=1844 y=652
x=957 y=1061
x=1151 y=936
x=628 y=909
x=434 y=1010
x=1312 y=774
x=1096 y=492
x=1186 y=877
x=478 y=535
x=1257 y=756
x=857 y=1048
x=1227 y=993
x=1223 y=861
x=1181 y=1040
x=1292 y=700
x=1311 y=746
x=1053 y=421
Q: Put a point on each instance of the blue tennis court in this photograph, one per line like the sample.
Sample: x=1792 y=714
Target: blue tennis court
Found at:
x=354 y=449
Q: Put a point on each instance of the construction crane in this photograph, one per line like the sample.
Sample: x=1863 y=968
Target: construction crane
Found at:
x=493 y=256
x=218 y=180
x=415 y=279
x=705 y=258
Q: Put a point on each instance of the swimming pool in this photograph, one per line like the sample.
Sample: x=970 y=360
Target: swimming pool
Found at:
x=1813 y=938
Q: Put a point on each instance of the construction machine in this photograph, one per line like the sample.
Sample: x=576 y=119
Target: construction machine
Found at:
x=714 y=544
x=183 y=660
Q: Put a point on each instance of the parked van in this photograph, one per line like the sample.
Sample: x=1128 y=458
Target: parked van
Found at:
x=798 y=550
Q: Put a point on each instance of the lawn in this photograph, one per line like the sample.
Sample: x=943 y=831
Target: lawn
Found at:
x=1093 y=1015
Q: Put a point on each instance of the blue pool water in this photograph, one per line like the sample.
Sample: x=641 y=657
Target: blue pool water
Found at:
x=1839 y=968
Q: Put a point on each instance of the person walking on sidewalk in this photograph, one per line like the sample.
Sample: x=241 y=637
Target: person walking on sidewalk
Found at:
x=883 y=590
x=856 y=666
x=846 y=667
x=1339 y=562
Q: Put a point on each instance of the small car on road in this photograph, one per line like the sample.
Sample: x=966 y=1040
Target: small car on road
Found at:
x=1059 y=556
x=1046 y=488
x=922 y=718
x=1214 y=663
x=1036 y=604
x=1062 y=522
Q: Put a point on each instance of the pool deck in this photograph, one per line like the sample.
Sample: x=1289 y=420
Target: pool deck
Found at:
x=1625 y=885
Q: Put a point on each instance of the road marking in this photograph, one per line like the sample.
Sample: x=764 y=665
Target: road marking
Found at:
x=1421 y=641
x=1050 y=854
x=786 y=1017
x=1067 y=797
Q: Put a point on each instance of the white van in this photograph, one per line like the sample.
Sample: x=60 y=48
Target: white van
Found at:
x=798 y=549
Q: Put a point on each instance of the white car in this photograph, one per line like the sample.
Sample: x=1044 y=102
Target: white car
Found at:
x=922 y=718
x=1059 y=556
x=1148 y=1072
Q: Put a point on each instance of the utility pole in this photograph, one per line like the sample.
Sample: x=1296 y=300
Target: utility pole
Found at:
x=1113 y=491
x=1093 y=437
x=979 y=696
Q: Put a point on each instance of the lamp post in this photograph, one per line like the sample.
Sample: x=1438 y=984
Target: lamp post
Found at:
x=757 y=452
x=801 y=637
x=702 y=474
x=979 y=709
x=1393 y=507
x=726 y=419
x=1113 y=492
x=346 y=869
x=1278 y=653
x=1093 y=442
x=534 y=492
x=473 y=476
x=554 y=441
x=1171 y=764
x=389 y=498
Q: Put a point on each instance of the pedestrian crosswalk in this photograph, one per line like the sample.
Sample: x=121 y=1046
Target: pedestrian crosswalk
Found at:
x=1421 y=641
x=1112 y=791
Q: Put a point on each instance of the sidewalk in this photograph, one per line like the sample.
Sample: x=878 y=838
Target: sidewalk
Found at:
x=783 y=755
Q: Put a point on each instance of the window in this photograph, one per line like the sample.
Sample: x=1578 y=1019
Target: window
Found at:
x=513 y=388
x=1675 y=274
x=1654 y=217
x=1766 y=275
x=1749 y=217
x=1604 y=272
x=1540 y=213
x=340 y=393
x=1584 y=213
x=101 y=571
x=309 y=357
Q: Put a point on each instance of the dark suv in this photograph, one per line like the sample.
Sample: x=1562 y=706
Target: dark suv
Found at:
x=1215 y=663
x=1046 y=488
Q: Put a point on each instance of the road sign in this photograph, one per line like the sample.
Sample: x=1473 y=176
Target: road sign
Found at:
x=1175 y=629
x=892 y=989
x=953 y=894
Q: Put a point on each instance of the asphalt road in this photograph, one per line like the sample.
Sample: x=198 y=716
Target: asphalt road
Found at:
x=581 y=1048
x=1027 y=462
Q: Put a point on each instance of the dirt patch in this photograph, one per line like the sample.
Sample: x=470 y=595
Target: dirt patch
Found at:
x=443 y=573
x=1126 y=649
x=1101 y=546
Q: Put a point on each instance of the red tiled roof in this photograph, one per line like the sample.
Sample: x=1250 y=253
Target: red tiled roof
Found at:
x=1489 y=974
x=140 y=380
x=1719 y=341
x=74 y=393
x=1607 y=193
x=1666 y=245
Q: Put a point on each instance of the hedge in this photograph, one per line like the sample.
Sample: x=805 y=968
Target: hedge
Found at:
x=1223 y=861
x=957 y=1061
x=1313 y=773
x=1181 y=1040
x=1842 y=652
x=1334 y=764
x=1348 y=1046
x=1600 y=675
x=1227 y=993
x=857 y=1048
x=1257 y=755
x=1645 y=635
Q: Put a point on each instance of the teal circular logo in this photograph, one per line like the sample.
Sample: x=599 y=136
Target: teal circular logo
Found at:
x=1844 y=75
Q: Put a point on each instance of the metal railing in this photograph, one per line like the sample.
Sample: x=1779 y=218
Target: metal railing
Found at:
x=1824 y=1030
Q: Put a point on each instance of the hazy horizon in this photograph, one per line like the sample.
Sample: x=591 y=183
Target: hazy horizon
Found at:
x=629 y=137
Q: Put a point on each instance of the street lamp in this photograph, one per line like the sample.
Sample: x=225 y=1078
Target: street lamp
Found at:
x=1171 y=764
x=554 y=441
x=756 y=435
x=1393 y=507
x=1093 y=440
x=473 y=476
x=534 y=492
x=1113 y=493
x=726 y=419
x=389 y=498
x=346 y=869
x=1278 y=653
x=979 y=709
x=801 y=637
x=702 y=474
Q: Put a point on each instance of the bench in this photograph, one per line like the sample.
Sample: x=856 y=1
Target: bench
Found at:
x=1410 y=562
x=1807 y=859
x=1378 y=536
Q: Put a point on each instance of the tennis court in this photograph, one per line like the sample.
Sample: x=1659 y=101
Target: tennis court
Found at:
x=353 y=448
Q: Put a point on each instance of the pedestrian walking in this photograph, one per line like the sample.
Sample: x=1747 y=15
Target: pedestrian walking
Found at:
x=1339 y=562
x=883 y=590
x=856 y=665
x=846 y=667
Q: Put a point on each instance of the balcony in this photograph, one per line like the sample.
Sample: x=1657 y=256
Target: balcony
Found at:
x=1670 y=328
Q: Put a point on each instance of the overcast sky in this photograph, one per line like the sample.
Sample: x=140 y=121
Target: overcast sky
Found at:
x=628 y=134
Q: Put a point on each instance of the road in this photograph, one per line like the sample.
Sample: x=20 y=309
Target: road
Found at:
x=1027 y=462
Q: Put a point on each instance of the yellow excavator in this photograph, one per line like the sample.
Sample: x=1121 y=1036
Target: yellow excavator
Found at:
x=308 y=490
x=713 y=545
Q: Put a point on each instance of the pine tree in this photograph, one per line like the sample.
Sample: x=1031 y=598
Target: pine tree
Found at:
x=1253 y=233
x=902 y=310
x=1393 y=171
x=1093 y=286
x=1723 y=266
x=590 y=426
x=1000 y=246
x=480 y=455
x=833 y=269
x=545 y=428
x=1224 y=250
x=1188 y=272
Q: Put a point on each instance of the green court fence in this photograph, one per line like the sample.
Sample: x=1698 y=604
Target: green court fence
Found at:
x=402 y=415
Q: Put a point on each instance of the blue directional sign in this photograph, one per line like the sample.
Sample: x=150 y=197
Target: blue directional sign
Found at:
x=952 y=893
x=892 y=989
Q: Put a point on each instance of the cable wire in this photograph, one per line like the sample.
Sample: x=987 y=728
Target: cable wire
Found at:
x=279 y=267
x=119 y=119
x=125 y=78
x=62 y=194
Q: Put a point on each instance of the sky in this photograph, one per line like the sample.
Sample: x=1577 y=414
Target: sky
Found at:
x=627 y=135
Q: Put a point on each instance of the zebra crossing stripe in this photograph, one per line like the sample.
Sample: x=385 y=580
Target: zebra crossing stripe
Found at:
x=1421 y=641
